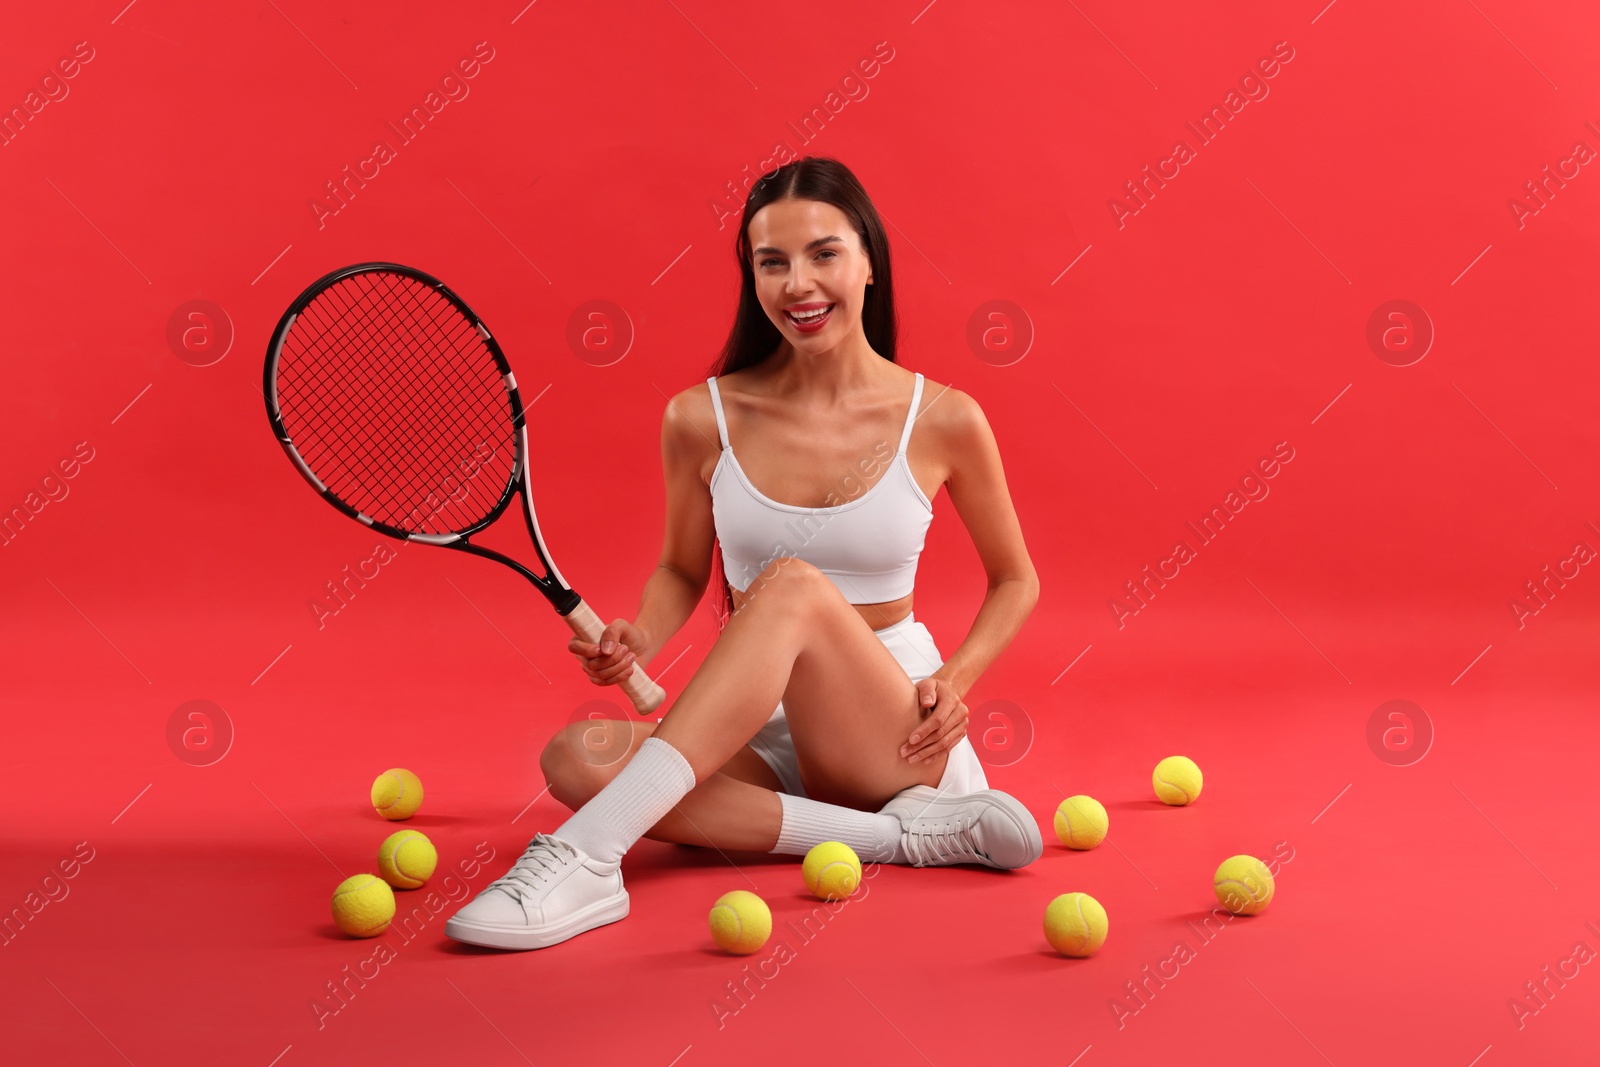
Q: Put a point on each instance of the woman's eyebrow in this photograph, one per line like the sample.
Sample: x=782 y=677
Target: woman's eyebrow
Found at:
x=764 y=249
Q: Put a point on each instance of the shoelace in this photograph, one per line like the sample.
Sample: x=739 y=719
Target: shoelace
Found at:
x=944 y=841
x=542 y=859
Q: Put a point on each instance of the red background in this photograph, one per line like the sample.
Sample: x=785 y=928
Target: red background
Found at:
x=590 y=161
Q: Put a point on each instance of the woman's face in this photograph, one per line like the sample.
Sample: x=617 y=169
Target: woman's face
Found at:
x=808 y=261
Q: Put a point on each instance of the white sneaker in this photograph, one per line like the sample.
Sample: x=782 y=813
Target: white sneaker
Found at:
x=553 y=892
x=987 y=827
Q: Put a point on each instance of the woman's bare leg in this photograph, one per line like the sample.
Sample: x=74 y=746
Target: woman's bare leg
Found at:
x=737 y=808
x=850 y=705
x=848 y=701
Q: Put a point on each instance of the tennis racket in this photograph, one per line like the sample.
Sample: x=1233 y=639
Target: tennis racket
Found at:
x=395 y=402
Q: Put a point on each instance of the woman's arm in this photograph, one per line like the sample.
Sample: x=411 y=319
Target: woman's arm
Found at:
x=976 y=484
x=684 y=569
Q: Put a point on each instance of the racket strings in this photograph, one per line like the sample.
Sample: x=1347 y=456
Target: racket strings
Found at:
x=346 y=386
x=396 y=403
x=372 y=378
x=419 y=406
x=387 y=480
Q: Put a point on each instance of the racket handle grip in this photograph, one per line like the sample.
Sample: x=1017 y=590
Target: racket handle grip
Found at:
x=645 y=694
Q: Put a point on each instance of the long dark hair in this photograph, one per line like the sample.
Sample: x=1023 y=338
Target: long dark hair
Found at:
x=753 y=337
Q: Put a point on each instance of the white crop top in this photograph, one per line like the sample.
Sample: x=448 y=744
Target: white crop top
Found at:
x=867 y=546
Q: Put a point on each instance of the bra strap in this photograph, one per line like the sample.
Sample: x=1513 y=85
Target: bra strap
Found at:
x=716 y=404
x=911 y=417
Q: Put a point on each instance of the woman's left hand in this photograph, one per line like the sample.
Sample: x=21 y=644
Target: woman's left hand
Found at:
x=944 y=720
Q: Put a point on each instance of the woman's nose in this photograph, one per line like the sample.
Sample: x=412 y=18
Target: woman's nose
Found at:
x=799 y=281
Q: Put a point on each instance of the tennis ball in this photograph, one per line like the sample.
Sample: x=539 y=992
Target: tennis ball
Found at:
x=741 y=922
x=1081 y=822
x=363 y=905
x=1244 y=885
x=831 y=870
x=406 y=859
x=1075 y=924
x=1176 y=780
x=397 y=793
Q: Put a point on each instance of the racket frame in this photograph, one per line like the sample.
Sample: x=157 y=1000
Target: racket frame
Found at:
x=644 y=692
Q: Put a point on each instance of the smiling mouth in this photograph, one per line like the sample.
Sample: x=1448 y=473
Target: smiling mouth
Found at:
x=811 y=319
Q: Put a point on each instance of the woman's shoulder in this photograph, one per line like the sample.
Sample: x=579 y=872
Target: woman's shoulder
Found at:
x=947 y=411
x=691 y=411
x=689 y=422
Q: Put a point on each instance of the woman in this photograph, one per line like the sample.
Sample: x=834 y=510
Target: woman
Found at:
x=868 y=743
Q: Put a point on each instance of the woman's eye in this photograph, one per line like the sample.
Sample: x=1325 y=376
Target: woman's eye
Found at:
x=765 y=263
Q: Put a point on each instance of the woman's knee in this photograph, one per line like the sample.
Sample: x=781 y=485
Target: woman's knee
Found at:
x=583 y=756
x=790 y=579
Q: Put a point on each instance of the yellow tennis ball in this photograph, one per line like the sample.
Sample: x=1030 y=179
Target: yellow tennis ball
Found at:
x=831 y=870
x=1081 y=822
x=1075 y=924
x=1244 y=885
x=741 y=922
x=363 y=905
x=1176 y=780
x=397 y=793
x=406 y=859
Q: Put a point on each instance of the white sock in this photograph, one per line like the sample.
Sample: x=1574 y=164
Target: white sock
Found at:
x=654 y=780
x=874 y=836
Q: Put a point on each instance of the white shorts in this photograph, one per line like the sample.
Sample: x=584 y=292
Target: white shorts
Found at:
x=914 y=650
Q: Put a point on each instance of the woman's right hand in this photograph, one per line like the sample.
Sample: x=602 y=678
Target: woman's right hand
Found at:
x=609 y=661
